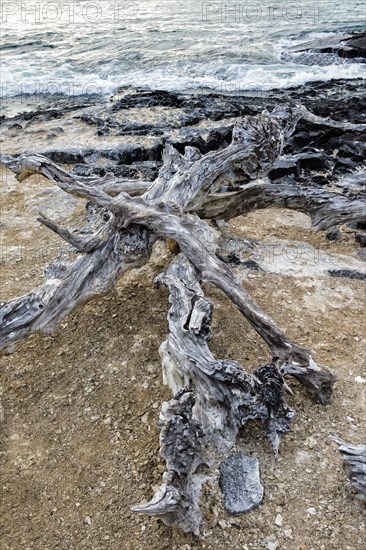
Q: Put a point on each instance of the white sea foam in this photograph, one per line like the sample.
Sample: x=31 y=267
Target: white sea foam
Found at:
x=230 y=79
x=172 y=46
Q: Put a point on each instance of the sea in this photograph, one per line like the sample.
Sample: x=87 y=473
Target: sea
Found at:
x=97 y=47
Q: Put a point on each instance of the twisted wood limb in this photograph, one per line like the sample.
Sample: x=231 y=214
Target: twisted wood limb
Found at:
x=70 y=285
x=28 y=164
x=81 y=244
x=203 y=418
x=326 y=209
x=213 y=400
x=354 y=457
x=191 y=233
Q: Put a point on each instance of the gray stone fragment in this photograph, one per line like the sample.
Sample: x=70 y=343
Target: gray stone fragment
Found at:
x=240 y=483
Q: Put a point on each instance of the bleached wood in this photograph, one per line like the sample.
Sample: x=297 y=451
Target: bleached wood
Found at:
x=213 y=398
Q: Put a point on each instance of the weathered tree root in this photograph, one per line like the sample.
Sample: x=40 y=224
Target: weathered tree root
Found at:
x=354 y=457
x=69 y=285
x=213 y=398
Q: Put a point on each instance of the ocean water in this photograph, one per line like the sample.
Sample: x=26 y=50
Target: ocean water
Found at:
x=87 y=47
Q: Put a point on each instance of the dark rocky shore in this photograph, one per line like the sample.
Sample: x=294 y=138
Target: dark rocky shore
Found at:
x=125 y=134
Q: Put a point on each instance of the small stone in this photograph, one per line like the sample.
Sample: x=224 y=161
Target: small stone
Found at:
x=145 y=417
x=311 y=511
x=270 y=543
x=224 y=524
x=279 y=520
x=333 y=235
x=240 y=483
x=88 y=520
x=311 y=442
x=288 y=533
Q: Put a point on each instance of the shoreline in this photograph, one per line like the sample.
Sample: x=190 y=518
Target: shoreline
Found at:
x=13 y=107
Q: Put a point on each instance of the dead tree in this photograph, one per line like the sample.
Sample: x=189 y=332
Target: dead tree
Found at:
x=213 y=398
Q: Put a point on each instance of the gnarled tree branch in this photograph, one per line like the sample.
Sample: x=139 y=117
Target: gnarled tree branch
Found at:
x=213 y=398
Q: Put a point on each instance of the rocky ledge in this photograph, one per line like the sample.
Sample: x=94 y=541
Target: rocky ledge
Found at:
x=349 y=46
x=125 y=134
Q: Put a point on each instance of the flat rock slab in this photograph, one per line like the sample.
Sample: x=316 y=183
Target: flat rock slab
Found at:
x=346 y=45
x=240 y=483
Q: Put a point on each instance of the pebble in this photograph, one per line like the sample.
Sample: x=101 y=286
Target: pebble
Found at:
x=270 y=543
x=240 y=483
x=311 y=442
x=288 y=533
x=279 y=520
x=224 y=524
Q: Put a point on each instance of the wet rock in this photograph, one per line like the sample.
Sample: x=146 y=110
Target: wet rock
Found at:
x=346 y=46
x=102 y=132
x=285 y=167
x=90 y=120
x=333 y=235
x=139 y=129
x=346 y=151
x=312 y=161
x=192 y=140
x=361 y=239
x=231 y=258
x=240 y=483
x=66 y=156
x=219 y=137
x=358 y=225
x=344 y=165
x=128 y=153
x=251 y=264
x=353 y=150
x=148 y=99
x=357 y=43
x=15 y=126
x=320 y=180
x=347 y=273
x=301 y=138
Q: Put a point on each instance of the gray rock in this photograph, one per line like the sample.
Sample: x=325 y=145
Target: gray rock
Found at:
x=333 y=235
x=240 y=483
x=285 y=167
x=348 y=274
x=346 y=45
x=360 y=238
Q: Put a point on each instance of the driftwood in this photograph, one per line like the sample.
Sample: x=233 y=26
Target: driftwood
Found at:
x=354 y=457
x=212 y=398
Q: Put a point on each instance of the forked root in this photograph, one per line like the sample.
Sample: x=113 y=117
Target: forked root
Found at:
x=213 y=399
